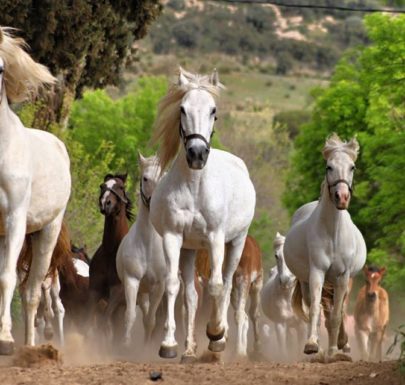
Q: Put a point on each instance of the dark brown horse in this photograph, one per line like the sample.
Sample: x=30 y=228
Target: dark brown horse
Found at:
x=116 y=207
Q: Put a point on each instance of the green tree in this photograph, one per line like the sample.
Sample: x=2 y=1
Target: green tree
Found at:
x=365 y=98
x=126 y=123
x=84 y=43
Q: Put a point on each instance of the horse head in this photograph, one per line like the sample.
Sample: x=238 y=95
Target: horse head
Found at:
x=287 y=279
x=113 y=197
x=150 y=175
x=190 y=108
x=340 y=157
x=373 y=276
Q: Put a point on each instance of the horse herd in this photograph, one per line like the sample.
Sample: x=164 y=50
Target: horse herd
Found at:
x=188 y=254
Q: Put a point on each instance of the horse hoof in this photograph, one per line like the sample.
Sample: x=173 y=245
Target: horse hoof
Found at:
x=188 y=359
x=346 y=348
x=48 y=334
x=339 y=357
x=168 y=351
x=216 y=346
x=311 y=348
x=6 y=348
x=215 y=337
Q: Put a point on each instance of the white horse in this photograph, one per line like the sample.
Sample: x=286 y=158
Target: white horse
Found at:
x=34 y=187
x=206 y=200
x=323 y=244
x=276 y=299
x=141 y=264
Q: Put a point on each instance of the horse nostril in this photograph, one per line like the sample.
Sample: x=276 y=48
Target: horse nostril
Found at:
x=337 y=195
x=108 y=203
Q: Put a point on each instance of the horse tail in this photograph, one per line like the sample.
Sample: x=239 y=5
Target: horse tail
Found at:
x=297 y=302
x=60 y=254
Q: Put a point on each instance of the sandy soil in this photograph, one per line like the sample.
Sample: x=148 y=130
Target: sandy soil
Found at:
x=46 y=367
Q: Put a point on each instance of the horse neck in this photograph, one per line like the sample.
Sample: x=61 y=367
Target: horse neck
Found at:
x=115 y=227
x=329 y=216
x=142 y=218
x=9 y=121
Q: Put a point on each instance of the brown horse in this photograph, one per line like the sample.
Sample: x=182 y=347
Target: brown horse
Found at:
x=247 y=281
x=104 y=282
x=371 y=314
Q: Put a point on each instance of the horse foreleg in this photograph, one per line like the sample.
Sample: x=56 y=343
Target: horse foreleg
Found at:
x=362 y=342
x=171 y=245
x=215 y=330
x=131 y=287
x=58 y=308
x=43 y=244
x=281 y=335
x=155 y=297
x=316 y=279
x=336 y=319
x=187 y=262
x=10 y=247
x=254 y=310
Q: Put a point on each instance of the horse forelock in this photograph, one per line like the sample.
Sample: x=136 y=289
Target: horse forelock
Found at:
x=168 y=116
x=23 y=77
x=278 y=241
x=334 y=144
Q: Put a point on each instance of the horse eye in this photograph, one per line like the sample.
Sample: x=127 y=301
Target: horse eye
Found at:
x=328 y=168
x=1 y=70
x=182 y=110
x=276 y=256
x=101 y=186
x=145 y=179
x=353 y=168
x=214 y=111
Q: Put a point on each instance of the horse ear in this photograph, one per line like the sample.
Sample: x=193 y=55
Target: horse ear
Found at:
x=214 y=78
x=383 y=270
x=123 y=177
x=108 y=177
x=365 y=269
x=353 y=146
x=1 y=35
x=278 y=234
x=141 y=158
x=183 y=81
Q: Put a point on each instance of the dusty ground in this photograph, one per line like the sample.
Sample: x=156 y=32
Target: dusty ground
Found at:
x=48 y=369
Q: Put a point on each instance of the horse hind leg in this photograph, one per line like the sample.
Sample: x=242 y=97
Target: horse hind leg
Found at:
x=221 y=303
x=48 y=310
x=43 y=244
x=254 y=310
x=58 y=309
x=239 y=296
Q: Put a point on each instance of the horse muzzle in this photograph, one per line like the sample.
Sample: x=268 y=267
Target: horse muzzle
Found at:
x=197 y=156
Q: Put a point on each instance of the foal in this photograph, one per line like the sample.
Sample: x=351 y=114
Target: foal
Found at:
x=371 y=314
x=116 y=207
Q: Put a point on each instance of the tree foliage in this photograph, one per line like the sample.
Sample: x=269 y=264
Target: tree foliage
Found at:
x=85 y=43
x=125 y=123
x=365 y=98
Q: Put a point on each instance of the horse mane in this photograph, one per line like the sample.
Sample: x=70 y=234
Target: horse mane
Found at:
x=167 y=122
x=334 y=144
x=23 y=77
x=60 y=255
